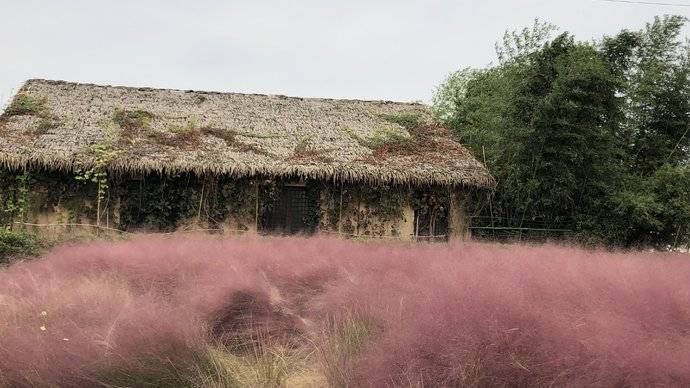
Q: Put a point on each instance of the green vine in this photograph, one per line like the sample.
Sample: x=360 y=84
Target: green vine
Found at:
x=165 y=202
x=97 y=172
x=269 y=194
x=363 y=210
x=14 y=197
x=228 y=197
x=312 y=214
x=157 y=202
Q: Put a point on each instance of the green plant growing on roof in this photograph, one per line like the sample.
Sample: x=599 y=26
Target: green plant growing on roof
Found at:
x=132 y=119
x=380 y=137
x=407 y=120
x=387 y=135
x=24 y=105
x=305 y=147
x=189 y=127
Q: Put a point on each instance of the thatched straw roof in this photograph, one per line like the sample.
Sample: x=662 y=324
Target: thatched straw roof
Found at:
x=56 y=124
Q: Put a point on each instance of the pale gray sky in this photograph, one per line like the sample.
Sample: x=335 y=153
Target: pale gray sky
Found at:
x=397 y=50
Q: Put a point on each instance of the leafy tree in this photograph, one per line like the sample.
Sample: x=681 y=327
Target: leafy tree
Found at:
x=653 y=71
x=593 y=136
x=653 y=66
x=518 y=45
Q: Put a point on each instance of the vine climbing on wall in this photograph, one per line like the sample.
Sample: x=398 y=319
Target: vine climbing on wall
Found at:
x=363 y=210
x=14 y=197
x=102 y=154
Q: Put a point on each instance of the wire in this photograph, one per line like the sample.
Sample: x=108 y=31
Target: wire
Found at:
x=647 y=3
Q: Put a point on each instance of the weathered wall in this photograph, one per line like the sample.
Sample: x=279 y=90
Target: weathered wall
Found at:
x=349 y=212
x=65 y=208
x=362 y=221
x=458 y=222
x=57 y=207
x=407 y=223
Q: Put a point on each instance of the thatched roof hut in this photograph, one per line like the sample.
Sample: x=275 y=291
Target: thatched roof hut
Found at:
x=55 y=125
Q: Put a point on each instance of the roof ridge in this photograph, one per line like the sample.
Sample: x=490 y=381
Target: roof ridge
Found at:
x=147 y=88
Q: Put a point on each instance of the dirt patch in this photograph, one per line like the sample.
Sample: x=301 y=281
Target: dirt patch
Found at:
x=182 y=139
x=229 y=137
x=136 y=125
x=428 y=142
x=231 y=140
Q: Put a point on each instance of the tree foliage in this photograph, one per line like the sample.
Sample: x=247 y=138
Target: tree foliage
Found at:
x=592 y=136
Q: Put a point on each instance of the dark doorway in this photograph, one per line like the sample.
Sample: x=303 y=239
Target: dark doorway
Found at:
x=287 y=214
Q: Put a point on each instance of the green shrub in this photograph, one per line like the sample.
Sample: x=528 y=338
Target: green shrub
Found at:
x=17 y=244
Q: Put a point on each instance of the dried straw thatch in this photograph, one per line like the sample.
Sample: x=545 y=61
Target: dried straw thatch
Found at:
x=55 y=124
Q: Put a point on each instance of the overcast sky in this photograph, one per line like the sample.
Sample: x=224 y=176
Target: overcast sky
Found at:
x=396 y=50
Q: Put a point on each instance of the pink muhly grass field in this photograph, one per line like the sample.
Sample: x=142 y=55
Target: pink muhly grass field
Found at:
x=447 y=315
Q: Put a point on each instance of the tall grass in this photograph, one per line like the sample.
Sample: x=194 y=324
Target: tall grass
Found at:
x=341 y=342
x=200 y=311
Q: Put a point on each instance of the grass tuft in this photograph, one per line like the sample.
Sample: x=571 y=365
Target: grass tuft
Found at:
x=341 y=343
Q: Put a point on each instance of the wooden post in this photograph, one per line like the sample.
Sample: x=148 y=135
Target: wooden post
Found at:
x=256 y=209
x=201 y=201
x=98 y=209
x=340 y=210
x=416 y=225
x=98 y=203
x=107 y=213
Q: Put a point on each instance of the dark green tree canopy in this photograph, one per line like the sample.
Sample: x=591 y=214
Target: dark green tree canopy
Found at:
x=591 y=135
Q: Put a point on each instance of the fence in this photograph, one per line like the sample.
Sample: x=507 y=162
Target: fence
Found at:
x=501 y=229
